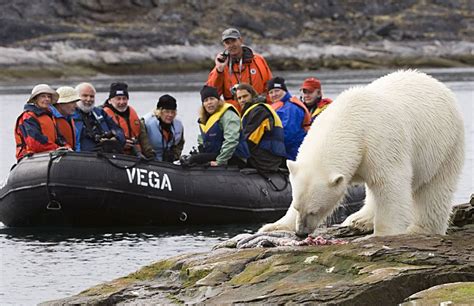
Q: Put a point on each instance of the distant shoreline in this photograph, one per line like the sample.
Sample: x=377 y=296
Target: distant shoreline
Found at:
x=62 y=60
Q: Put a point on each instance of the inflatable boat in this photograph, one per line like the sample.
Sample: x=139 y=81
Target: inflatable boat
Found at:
x=64 y=188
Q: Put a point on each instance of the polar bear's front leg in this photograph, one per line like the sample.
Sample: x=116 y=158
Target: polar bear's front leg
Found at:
x=286 y=223
x=364 y=218
x=393 y=207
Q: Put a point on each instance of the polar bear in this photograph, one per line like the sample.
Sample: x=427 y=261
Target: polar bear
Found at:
x=403 y=136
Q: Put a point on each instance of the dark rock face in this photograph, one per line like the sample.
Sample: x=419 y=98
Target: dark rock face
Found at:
x=142 y=23
x=61 y=38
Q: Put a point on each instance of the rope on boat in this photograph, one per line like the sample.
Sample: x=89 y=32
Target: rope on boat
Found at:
x=272 y=184
x=125 y=167
x=53 y=204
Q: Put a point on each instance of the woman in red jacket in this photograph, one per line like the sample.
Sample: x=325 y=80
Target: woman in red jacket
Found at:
x=35 y=128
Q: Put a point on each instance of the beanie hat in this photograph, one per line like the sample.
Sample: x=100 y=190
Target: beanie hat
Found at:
x=118 y=89
x=311 y=84
x=277 y=82
x=166 y=102
x=208 y=91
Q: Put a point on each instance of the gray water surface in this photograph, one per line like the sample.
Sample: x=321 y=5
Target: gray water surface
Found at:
x=39 y=265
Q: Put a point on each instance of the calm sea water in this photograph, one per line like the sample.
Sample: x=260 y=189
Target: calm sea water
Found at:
x=39 y=265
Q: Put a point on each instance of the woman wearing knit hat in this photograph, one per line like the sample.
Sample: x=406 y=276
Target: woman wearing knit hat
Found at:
x=293 y=114
x=165 y=131
x=35 y=129
x=221 y=140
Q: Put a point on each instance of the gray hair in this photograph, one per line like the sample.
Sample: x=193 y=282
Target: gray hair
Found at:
x=85 y=84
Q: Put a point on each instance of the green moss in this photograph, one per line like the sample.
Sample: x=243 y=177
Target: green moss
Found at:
x=191 y=276
x=174 y=299
x=250 y=272
x=145 y=273
x=457 y=293
x=152 y=271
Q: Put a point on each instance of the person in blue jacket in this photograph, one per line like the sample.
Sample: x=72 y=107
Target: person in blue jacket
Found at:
x=293 y=113
x=95 y=130
x=165 y=131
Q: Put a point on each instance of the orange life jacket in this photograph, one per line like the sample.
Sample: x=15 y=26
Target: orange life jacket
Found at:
x=28 y=144
x=322 y=105
x=307 y=116
x=130 y=125
x=255 y=72
x=67 y=130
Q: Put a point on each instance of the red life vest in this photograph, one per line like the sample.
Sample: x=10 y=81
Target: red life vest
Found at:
x=27 y=144
x=320 y=107
x=130 y=125
x=68 y=131
x=254 y=72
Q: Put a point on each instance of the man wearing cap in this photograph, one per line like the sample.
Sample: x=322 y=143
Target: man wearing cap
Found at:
x=117 y=107
x=94 y=128
x=262 y=129
x=35 y=128
x=238 y=64
x=312 y=96
x=165 y=131
x=62 y=111
x=293 y=113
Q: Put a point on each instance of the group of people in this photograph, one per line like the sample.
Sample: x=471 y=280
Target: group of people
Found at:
x=257 y=122
x=67 y=118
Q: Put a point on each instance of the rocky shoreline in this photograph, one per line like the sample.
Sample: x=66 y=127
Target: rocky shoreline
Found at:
x=64 y=60
x=62 y=38
x=393 y=269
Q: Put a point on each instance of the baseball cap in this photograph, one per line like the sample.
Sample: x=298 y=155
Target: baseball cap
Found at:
x=311 y=84
x=230 y=33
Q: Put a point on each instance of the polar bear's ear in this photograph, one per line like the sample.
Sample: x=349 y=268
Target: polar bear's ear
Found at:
x=336 y=180
x=291 y=166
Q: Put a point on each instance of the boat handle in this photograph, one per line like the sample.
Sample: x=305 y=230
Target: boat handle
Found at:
x=53 y=205
x=183 y=216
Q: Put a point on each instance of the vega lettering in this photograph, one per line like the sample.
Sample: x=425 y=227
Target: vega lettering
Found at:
x=145 y=178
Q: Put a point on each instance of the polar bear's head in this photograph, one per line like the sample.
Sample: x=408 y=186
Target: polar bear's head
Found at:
x=315 y=195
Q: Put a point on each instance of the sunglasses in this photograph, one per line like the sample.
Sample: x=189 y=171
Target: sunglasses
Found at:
x=307 y=91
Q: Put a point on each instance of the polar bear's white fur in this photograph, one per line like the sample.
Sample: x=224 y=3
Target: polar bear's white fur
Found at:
x=403 y=136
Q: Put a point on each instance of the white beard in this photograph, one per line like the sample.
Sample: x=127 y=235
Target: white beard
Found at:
x=84 y=108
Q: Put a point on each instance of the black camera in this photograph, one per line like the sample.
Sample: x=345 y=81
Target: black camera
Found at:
x=168 y=155
x=260 y=99
x=100 y=137
x=224 y=55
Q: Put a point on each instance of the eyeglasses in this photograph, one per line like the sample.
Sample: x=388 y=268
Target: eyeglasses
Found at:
x=306 y=91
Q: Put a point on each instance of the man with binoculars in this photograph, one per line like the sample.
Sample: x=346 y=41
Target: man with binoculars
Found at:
x=238 y=64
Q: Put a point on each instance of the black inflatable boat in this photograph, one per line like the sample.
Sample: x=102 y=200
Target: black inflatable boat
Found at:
x=89 y=189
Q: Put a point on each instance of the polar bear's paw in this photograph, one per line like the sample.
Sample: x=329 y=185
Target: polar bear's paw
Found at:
x=271 y=227
x=360 y=220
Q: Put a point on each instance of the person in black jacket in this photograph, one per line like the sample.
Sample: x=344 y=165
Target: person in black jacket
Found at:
x=262 y=130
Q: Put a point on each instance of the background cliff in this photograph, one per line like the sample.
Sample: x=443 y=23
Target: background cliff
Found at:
x=128 y=36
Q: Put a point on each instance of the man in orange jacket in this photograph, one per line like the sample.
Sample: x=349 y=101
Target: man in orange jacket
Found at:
x=238 y=64
x=63 y=110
